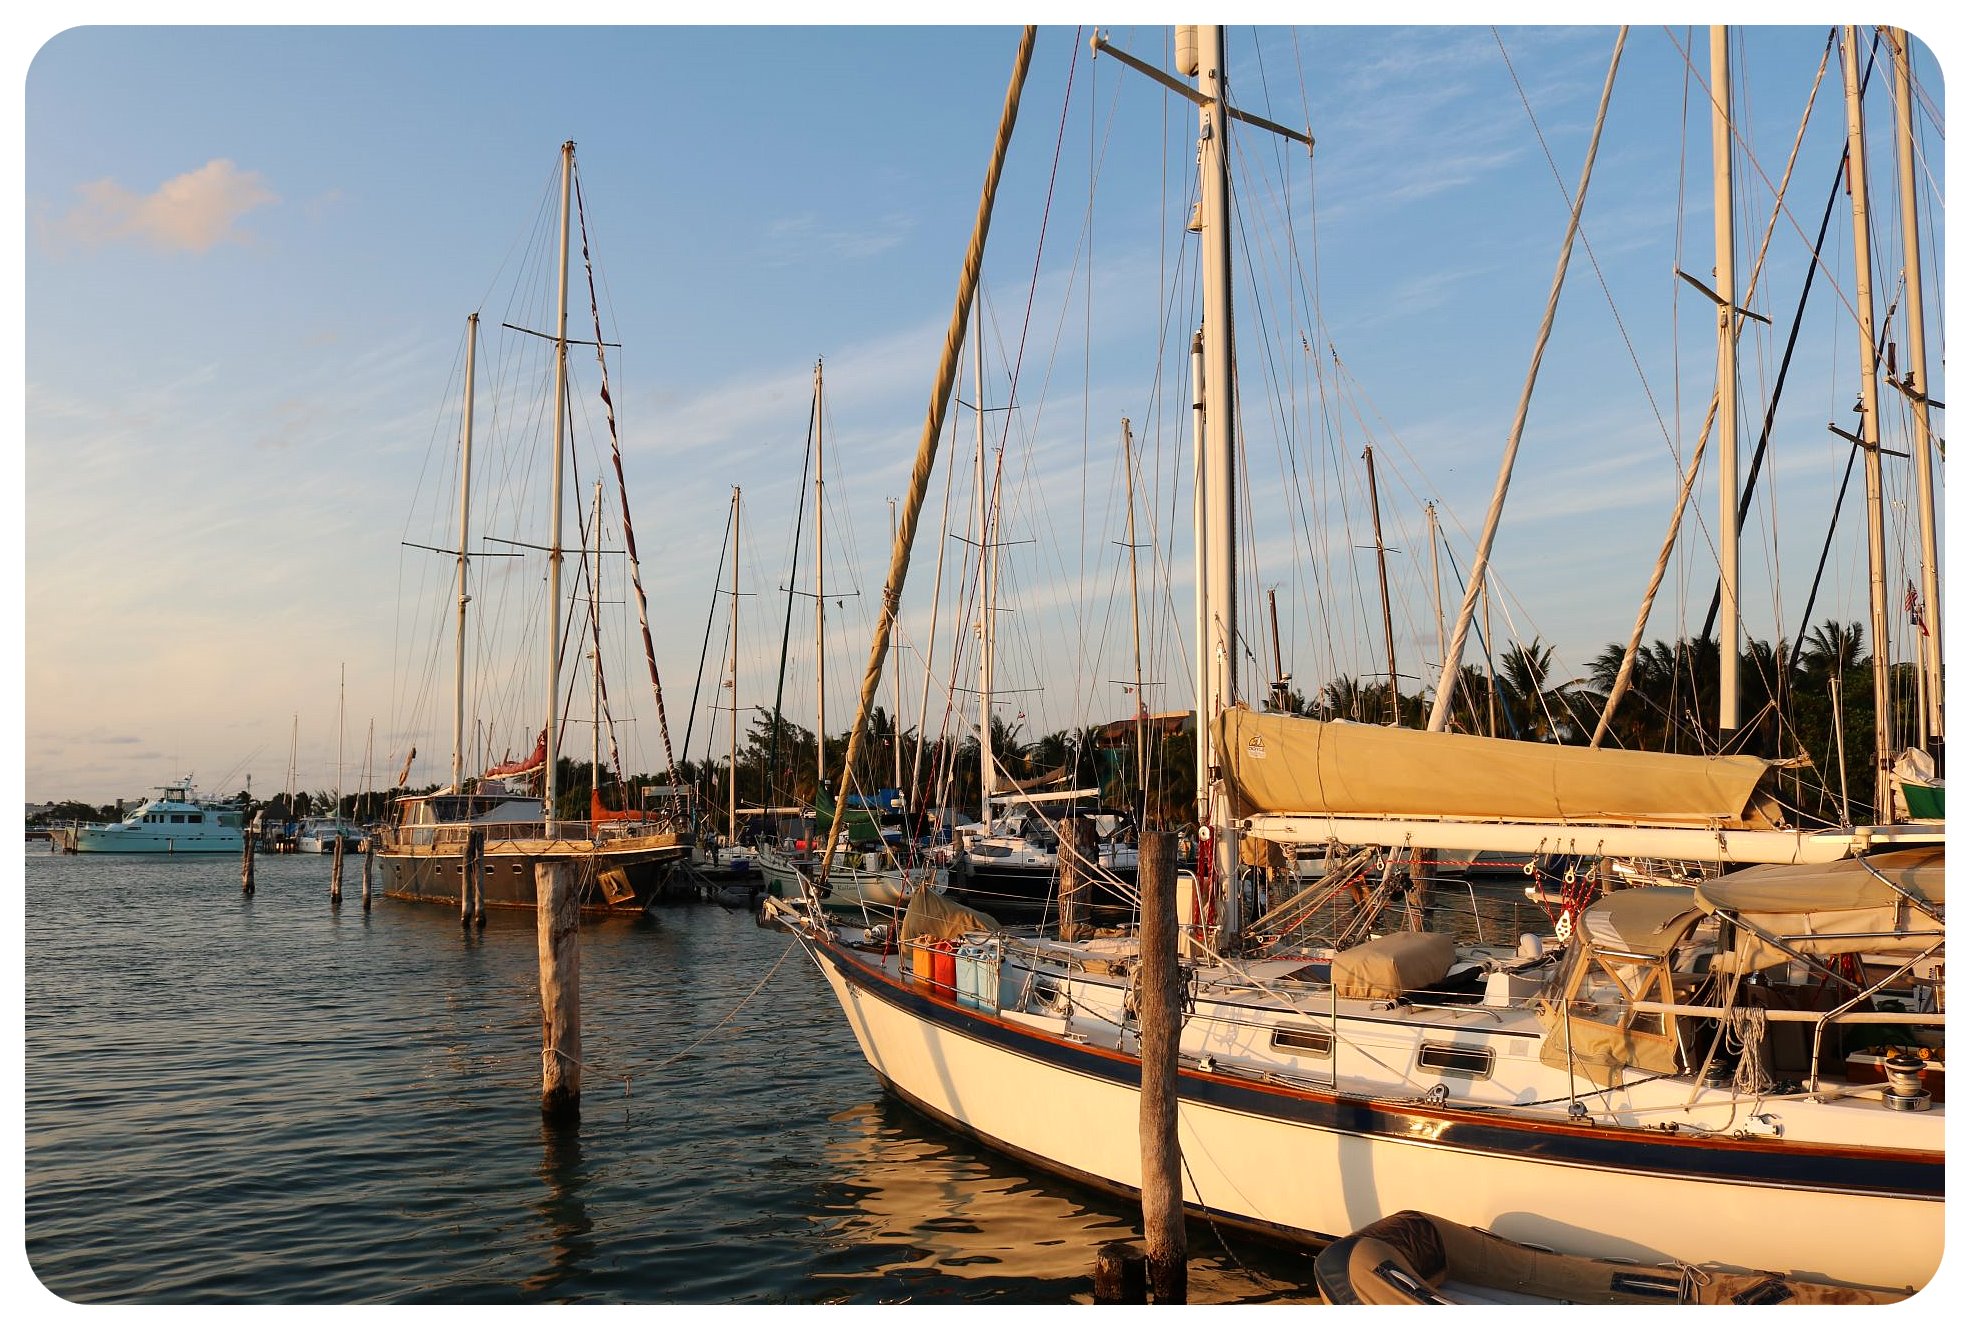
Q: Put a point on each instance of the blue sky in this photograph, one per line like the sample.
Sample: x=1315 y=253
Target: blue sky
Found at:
x=250 y=252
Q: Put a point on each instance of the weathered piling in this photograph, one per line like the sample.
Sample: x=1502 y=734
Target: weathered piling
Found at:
x=469 y=870
x=1077 y=870
x=1119 y=1274
x=1158 y=996
x=335 y=874
x=369 y=867
x=557 y=910
x=246 y=864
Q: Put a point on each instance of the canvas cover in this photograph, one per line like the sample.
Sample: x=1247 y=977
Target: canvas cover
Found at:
x=1294 y=764
x=1646 y=920
x=1811 y=905
x=932 y=915
x=1387 y=966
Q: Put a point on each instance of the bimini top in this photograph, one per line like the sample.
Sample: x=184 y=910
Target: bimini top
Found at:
x=1831 y=909
x=1646 y=921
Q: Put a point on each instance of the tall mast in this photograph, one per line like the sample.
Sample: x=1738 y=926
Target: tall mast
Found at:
x=820 y=605
x=464 y=536
x=595 y=627
x=549 y=782
x=895 y=682
x=1135 y=629
x=1877 y=556
x=1382 y=573
x=987 y=781
x=732 y=758
x=1917 y=385
x=341 y=704
x=1436 y=577
x=1218 y=655
x=1453 y=654
x=1731 y=630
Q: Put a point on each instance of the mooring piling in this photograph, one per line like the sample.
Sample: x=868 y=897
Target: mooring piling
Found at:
x=369 y=867
x=335 y=873
x=1158 y=1013
x=1077 y=874
x=557 y=909
x=246 y=863
x=1119 y=1276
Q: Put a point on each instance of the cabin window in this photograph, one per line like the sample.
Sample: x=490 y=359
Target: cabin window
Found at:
x=1304 y=1039
x=1456 y=1060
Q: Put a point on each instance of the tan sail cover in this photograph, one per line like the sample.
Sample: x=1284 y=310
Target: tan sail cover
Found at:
x=1294 y=764
x=931 y=914
x=1390 y=965
x=1830 y=909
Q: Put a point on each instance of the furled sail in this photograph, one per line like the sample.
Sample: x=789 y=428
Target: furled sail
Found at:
x=1281 y=764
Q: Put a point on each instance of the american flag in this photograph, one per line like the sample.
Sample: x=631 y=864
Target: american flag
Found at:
x=1914 y=607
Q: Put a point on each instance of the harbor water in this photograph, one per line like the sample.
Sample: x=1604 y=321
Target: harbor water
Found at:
x=272 y=1099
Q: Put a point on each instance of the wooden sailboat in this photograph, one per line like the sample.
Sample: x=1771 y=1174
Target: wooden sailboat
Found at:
x=1668 y=1084
x=475 y=844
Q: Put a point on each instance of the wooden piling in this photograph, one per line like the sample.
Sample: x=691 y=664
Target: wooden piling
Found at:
x=1119 y=1274
x=1158 y=998
x=470 y=866
x=335 y=873
x=246 y=863
x=557 y=909
x=369 y=867
x=1077 y=870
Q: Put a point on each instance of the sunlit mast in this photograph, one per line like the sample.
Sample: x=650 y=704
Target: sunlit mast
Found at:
x=1730 y=621
x=1916 y=388
x=550 y=759
x=464 y=535
x=1870 y=423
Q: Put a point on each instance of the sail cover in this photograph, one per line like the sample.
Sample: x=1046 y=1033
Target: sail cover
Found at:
x=1281 y=764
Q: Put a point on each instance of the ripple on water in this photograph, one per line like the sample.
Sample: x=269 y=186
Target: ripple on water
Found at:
x=269 y=1100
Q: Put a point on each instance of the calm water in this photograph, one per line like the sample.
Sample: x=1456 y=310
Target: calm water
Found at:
x=268 y=1099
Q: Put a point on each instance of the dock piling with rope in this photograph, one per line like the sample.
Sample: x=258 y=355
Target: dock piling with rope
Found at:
x=557 y=908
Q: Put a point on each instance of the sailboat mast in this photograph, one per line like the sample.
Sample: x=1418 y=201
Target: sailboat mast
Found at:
x=1917 y=385
x=1436 y=577
x=820 y=601
x=341 y=704
x=595 y=628
x=895 y=683
x=1218 y=655
x=464 y=536
x=1453 y=655
x=986 y=778
x=1135 y=630
x=1877 y=555
x=1730 y=621
x=1382 y=574
x=732 y=753
x=549 y=784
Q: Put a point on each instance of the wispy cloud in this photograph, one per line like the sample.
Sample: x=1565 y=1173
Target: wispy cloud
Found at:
x=192 y=212
x=805 y=237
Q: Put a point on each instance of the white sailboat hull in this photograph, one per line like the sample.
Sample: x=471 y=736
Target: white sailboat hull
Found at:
x=1314 y=1166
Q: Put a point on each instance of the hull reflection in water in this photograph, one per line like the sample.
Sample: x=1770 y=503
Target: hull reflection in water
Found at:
x=909 y=1202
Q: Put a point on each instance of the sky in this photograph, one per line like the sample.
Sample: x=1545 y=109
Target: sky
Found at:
x=250 y=252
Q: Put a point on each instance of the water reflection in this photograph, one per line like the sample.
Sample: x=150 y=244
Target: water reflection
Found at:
x=909 y=1205
x=566 y=1229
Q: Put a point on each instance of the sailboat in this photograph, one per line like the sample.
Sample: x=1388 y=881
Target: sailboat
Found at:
x=321 y=835
x=491 y=831
x=874 y=879
x=1007 y=863
x=1687 y=1074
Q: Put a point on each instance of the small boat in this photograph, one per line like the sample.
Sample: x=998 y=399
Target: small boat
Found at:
x=320 y=835
x=176 y=822
x=1412 y=1259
